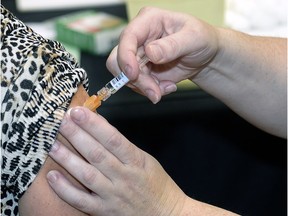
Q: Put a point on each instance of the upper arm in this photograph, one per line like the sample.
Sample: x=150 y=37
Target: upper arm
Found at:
x=40 y=199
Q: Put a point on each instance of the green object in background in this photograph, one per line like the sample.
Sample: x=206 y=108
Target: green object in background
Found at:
x=91 y=31
x=211 y=11
x=186 y=85
x=73 y=50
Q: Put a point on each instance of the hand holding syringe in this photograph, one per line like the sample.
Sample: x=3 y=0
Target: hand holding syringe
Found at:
x=110 y=88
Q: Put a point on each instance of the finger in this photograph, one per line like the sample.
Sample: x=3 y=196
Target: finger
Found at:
x=133 y=38
x=149 y=86
x=167 y=87
x=107 y=135
x=77 y=198
x=85 y=173
x=168 y=48
x=89 y=147
x=127 y=54
x=145 y=83
x=112 y=63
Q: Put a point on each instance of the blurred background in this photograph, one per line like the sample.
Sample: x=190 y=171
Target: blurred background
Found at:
x=211 y=153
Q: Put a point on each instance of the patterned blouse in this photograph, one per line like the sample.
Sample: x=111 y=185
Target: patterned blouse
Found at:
x=38 y=79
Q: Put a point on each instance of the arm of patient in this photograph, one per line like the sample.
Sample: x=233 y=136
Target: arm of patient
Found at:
x=40 y=199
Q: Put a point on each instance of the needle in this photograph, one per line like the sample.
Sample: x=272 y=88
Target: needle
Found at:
x=110 y=88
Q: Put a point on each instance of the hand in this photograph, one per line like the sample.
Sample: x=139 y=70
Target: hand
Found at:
x=123 y=179
x=177 y=45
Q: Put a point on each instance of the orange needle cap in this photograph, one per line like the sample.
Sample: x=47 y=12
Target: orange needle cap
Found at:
x=93 y=103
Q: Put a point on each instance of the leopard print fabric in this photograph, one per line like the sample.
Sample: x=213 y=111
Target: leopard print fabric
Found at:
x=38 y=80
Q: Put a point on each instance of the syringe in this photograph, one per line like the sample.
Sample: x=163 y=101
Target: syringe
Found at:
x=110 y=88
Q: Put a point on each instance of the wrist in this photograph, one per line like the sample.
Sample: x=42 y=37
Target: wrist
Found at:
x=171 y=201
x=193 y=207
x=218 y=69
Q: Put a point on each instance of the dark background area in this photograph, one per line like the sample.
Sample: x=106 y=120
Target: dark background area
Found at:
x=211 y=153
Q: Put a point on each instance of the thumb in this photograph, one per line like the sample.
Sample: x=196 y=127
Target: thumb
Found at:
x=165 y=49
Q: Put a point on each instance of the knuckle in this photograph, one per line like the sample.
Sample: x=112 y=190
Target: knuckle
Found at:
x=80 y=203
x=89 y=176
x=124 y=33
x=139 y=160
x=114 y=141
x=145 y=9
x=69 y=129
x=65 y=155
x=174 y=45
x=96 y=155
x=135 y=158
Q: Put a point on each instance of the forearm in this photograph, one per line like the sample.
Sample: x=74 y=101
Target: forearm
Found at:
x=249 y=75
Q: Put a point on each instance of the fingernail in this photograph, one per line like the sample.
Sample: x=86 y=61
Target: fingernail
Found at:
x=68 y=111
x=127 y=70
x=55 y=147
x=77 y=114
x=170 y=88
x=52 y=177
x=152 y=96
x=156 y=51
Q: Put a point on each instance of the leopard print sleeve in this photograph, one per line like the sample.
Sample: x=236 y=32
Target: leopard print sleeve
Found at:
x=38 y=80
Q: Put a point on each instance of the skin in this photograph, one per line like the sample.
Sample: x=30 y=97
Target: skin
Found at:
x=124 y=179
x=49 y=203
x=245 y=72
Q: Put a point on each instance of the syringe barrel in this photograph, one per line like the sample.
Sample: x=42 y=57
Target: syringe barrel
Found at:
x=118 y=82
x=113 y=86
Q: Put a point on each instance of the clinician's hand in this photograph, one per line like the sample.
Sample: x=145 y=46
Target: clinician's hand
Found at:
x=123 y=179
x=178 y=45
